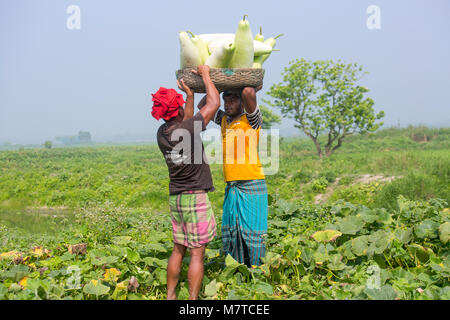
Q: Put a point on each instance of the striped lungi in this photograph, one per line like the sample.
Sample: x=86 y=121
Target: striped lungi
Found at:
x=193 y=223
x=244 y=223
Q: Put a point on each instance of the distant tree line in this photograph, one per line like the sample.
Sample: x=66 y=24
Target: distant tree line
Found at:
x=84 y=137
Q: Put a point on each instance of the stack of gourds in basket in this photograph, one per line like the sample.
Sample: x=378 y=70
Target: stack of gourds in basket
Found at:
x=235 y=59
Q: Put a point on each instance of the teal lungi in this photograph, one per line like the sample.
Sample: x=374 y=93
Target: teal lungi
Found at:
x=244 y=222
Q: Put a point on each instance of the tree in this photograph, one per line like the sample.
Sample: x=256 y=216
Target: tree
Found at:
x=323 y=97
x=68 y=140
x=48 y=144
x=269 y=117
x=84 y=136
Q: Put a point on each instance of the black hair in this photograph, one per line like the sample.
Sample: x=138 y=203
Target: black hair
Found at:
x=236 y=93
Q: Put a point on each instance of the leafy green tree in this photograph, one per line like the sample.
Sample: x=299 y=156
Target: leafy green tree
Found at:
x=84 y=136
x=269 y=117
x=48 y=144
x=323 y=97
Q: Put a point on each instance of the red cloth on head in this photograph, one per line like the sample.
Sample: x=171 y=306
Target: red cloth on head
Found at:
x=166 y=103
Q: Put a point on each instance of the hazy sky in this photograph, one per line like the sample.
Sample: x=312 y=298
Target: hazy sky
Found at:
x=56 y=81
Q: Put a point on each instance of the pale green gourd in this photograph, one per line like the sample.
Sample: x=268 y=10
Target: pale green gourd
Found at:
x=201 y=46
x=259 y=60
x=259 y=36
x=221 y=57
x=189 y=54
x=259 y=48
x=272 y=41
x=243 y=41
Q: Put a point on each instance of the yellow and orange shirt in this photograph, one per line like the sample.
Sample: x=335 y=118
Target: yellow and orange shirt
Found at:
x=240 y=139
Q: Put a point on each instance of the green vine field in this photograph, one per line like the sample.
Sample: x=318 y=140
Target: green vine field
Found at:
x=370 y=222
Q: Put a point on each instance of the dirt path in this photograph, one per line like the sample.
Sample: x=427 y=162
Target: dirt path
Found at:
x=361 y=179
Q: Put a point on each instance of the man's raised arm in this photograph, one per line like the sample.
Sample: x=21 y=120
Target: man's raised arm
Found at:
x=249 y=98
x=212 y=103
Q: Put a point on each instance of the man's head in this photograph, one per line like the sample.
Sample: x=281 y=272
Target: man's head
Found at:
x=232 y=102
x=178 y=118
x=167 y=104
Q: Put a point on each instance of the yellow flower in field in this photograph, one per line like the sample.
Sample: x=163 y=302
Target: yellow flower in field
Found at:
x=11 y=254
x=23 y=282
x=94 y=282
x=284 y=287
x=120 y=292
x=32 y=265
x=122 y=286
x=112 y=274
x=39 y=251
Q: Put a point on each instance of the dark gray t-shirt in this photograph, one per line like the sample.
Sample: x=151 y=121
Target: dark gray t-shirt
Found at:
x=183 y=151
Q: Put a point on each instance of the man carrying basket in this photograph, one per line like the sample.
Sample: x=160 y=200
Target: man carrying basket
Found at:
x=193 y=222
x=245 y=207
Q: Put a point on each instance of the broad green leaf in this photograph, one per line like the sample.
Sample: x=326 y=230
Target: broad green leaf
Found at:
x=155 y=262
x=230 y=262
x=350 y=225
x=335 y=262
x=383 y=216
x=15 y=273
x=14 y=288
x=96 y=288
x=132 y=256
x=368 y=215
x=98 y=253
x=427 y=229
x=326 y=235
x=380 y=241
x=160 y=276
x=3 y=291
x=231 y=267
x=183 y=294
x=210 y=288
x=99 y=261
x=386 y=292
x=67 y=256
x=404 y=236
x=156 y=247
x=122 y=240
x=346 y=250
x=263 y=287
x=444 y=293
x=421 y=253
x=285 y=208
x=306 y=255
x=360 y=245
x=320 y=255
x=444 y=232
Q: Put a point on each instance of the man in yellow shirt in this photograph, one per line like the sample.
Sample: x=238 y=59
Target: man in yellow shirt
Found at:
x=245 y=207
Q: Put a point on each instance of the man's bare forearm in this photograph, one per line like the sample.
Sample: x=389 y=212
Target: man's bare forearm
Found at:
x=212 y=95
x=189 y=108
x=202 y=103
x=249 y=99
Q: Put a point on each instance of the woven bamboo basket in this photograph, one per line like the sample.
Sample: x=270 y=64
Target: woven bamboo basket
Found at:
x=223 y=79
